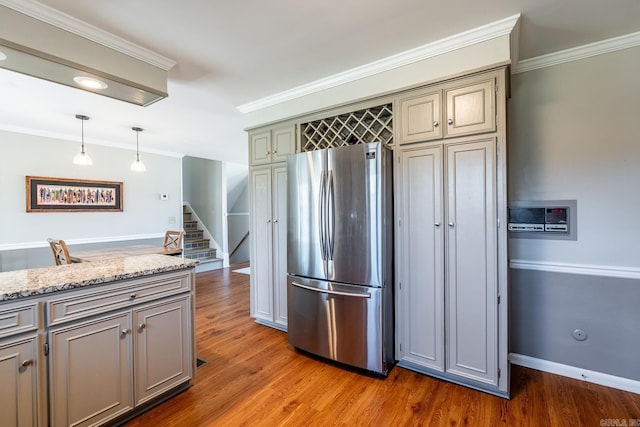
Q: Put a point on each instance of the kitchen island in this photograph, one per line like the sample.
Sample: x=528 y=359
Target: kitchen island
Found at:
x=92 y=343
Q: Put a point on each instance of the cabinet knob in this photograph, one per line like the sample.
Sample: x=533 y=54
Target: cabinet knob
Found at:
x=124 y=332
x=451 y=224
x=268 y=221
x=435 y=123
x=132 y=295
x=268 y=152
x=450 y=121
x=275 y=220
x=26 y=363
x=275 y=151
x=141 y=326
x=437 y=224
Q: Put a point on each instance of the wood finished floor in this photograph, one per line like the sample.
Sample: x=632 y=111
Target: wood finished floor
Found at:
x=254 y=378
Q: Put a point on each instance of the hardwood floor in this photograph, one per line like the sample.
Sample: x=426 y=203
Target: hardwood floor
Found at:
x=254 y=378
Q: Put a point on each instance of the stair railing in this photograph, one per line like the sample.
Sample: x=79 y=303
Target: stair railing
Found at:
x=239 y=244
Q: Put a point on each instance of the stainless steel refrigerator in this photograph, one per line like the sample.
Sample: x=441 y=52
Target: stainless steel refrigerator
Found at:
x=340 y=255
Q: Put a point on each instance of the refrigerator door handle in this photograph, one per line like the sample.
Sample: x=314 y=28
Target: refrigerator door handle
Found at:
x=321 y=216
x=328 y=291
x=331 y=220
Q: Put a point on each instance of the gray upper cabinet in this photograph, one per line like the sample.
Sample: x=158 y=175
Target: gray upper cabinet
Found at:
x=461 y=107
x=470 y=107
x=420 y=117
x=271 y=145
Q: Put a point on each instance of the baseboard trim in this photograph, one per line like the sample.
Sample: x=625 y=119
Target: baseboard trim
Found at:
x=44 y=244
x=574 y=372
x=590 y=270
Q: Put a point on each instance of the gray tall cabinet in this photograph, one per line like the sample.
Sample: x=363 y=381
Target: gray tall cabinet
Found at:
x=449 y=142
x=451 y=272
x=268 y=151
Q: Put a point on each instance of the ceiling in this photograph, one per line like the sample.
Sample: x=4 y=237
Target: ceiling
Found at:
x=230 y=53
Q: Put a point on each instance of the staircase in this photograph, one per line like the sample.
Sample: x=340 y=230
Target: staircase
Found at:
x=196 y=246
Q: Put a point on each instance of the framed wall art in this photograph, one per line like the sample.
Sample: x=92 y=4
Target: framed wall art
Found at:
x=72 y=195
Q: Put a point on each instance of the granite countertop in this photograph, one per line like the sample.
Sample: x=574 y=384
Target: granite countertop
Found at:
x=39 y=281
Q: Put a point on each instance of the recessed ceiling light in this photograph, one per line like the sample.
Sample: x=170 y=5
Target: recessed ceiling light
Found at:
x=2 y=56
x=90 y=82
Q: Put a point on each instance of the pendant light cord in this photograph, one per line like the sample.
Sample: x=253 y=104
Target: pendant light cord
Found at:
x=82 y=133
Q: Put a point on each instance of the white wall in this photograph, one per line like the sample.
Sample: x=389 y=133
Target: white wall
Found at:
x=575 y=134
x=144 y=214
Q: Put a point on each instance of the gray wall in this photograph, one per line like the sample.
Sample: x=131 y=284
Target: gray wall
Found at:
x=203 y=190
x=144 y=219
x=239 y=224
x=574 y=133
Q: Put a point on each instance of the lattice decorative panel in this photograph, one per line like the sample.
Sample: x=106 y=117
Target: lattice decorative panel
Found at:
x=369 y=125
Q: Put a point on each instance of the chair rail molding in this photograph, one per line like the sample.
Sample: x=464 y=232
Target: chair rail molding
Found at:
x=586 y=269
x=82 y=241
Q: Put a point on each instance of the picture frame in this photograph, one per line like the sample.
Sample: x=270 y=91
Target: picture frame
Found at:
x=47 y=194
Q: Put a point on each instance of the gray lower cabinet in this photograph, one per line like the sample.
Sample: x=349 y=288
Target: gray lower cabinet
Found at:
x=19 y=389
x=162 y=348
x=104 y=367
x=447 y=282
x=91 y=371
x=23 y=400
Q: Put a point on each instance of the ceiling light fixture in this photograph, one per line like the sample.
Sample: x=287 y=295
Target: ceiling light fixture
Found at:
x=82 y=158
x=90 y=82
x=137 y=165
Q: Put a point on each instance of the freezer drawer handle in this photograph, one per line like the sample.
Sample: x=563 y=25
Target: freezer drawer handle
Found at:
x=326 y=291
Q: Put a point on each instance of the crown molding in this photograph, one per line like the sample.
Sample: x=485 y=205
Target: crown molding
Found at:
x=75 y=26
x=458 y=41
x=577 y=53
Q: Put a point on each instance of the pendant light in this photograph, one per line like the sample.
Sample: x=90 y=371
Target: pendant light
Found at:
x=82 y=158
x=137 y=165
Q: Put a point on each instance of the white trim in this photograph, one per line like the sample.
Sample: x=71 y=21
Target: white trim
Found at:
x=577 y=373
x=586 y=269
x=85 y=241
x=580 y=52
x=80 y=28
x=420 y=53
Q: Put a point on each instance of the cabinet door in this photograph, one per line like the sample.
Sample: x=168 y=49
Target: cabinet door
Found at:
x=421 y=258
x=90 y=371
x=283 y=143
x=162 y=347
x=279 y=203
x=260 y=148
x=261 y=239
x=420 y=118
x=18 y=393
x=471 y=262
x=470 y=108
